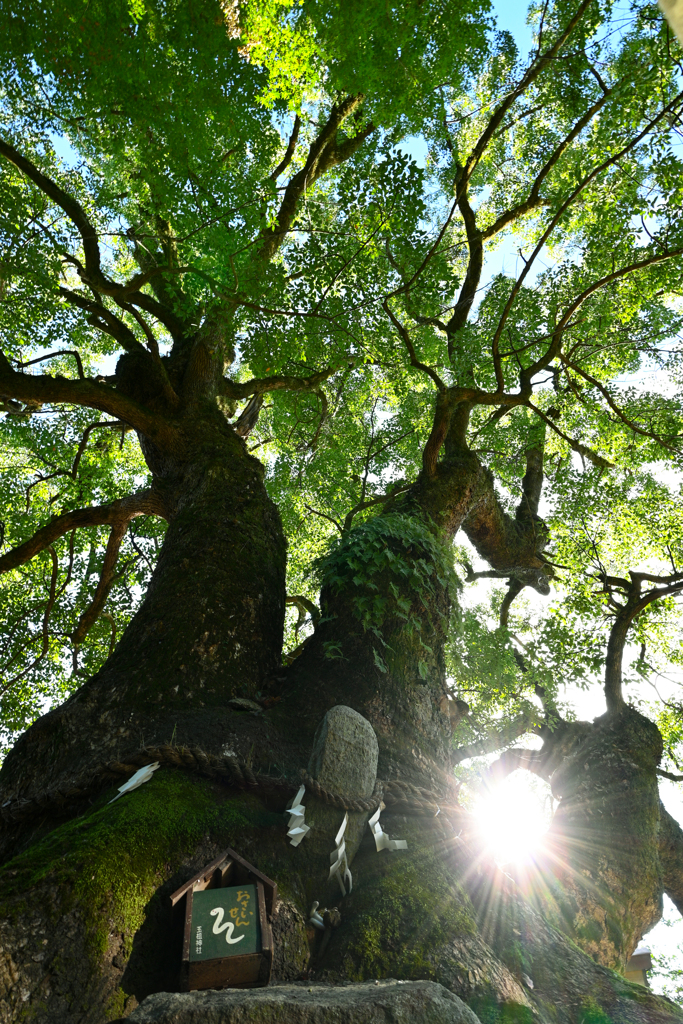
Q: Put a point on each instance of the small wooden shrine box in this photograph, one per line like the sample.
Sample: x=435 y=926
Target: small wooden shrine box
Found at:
x=213 y=954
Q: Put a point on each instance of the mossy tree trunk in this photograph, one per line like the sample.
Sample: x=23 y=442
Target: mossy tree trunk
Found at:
x=209 y=628
x=386 y=603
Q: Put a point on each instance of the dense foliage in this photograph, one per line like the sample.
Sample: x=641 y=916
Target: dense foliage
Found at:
x=176 y=126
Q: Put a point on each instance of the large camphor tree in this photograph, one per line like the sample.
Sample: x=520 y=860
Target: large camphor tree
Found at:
x=259 y=369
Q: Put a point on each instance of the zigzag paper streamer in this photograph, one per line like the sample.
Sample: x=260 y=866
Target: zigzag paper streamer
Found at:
x=297 y=827
x=338 y=861
x=382 y=840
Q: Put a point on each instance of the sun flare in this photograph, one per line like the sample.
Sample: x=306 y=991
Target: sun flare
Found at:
x=513 y=819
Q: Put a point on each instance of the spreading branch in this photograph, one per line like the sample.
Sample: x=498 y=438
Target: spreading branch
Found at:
x=116 y=513
x=94 y=609
x=513 y=547
x=534 y=200
x=52 y=355
x=407 y=341
x=323 y=154
x=278 y=382
x=289 y=152
x=43 y=390
x=616 y=409
x=531 y=760
x=576 y=446
x=495 y=740
x=555 y=220
x=634 y=601
x=539 y=64
x=71 y=207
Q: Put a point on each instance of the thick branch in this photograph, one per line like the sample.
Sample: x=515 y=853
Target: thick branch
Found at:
x=249 y=416
x=576 y=446
x=613 y=405
x=532 y=483
x=636 y=602
x=534 y=200
x=92 y=273
x=494 y=741
x=305 y=607
x=515 y=587
x=474 y=264
x=92 y=612
x=555 y=220
x=512 y=547
x=68 y=204
x=509 y=761
x=532 y=73
x=407 y=341
x=323 y=154
x=278 y=382
x=104 y=320
x=289 y=152
x=60 y=390
x=52 y=355
x=114 y=514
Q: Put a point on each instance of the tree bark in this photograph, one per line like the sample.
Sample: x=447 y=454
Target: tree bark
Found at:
x=209 y=628
x=391 y=671
x=671 y=857
x=604 y=841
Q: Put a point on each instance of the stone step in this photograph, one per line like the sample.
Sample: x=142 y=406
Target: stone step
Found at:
x=382 y=1002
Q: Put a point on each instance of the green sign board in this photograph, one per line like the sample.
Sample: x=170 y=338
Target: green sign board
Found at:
x=225 y=922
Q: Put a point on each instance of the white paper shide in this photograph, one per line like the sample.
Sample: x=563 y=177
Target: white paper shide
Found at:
x=382 y=840
x=339 y=865
x=141 y=775
x=297 y=826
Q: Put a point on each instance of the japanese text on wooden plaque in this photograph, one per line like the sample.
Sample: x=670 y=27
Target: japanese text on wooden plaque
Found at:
x=225 y=922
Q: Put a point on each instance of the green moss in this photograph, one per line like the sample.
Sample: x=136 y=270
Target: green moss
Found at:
x=110 y=862
x=490 y=1012
x=116 y=1005
x=589 y=930
x=592 y=1014
x=395 y=574
x=517 y=957
x=408 y=908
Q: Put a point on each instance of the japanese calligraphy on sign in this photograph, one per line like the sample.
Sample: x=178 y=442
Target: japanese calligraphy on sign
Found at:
x=225 y=922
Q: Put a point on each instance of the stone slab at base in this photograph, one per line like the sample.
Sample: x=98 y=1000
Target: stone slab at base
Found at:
x=384 y=1002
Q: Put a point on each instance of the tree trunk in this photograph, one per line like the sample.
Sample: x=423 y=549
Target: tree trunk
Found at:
x=386 y=603
x=210 y=626
x=604 y=871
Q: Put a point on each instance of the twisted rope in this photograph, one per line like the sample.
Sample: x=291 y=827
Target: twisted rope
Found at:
x=400 y=797
x=370 y=803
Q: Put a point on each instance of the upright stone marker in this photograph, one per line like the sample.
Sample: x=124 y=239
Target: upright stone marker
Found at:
x=345 y=752
x=343 y=760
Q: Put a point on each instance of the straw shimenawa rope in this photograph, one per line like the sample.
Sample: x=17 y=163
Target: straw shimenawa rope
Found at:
x=400 y=797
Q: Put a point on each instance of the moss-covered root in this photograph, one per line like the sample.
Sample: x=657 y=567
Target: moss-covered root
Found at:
x=430 y=913
x=86 y=929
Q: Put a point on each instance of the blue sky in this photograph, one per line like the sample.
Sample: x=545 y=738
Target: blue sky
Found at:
x=511 y=17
